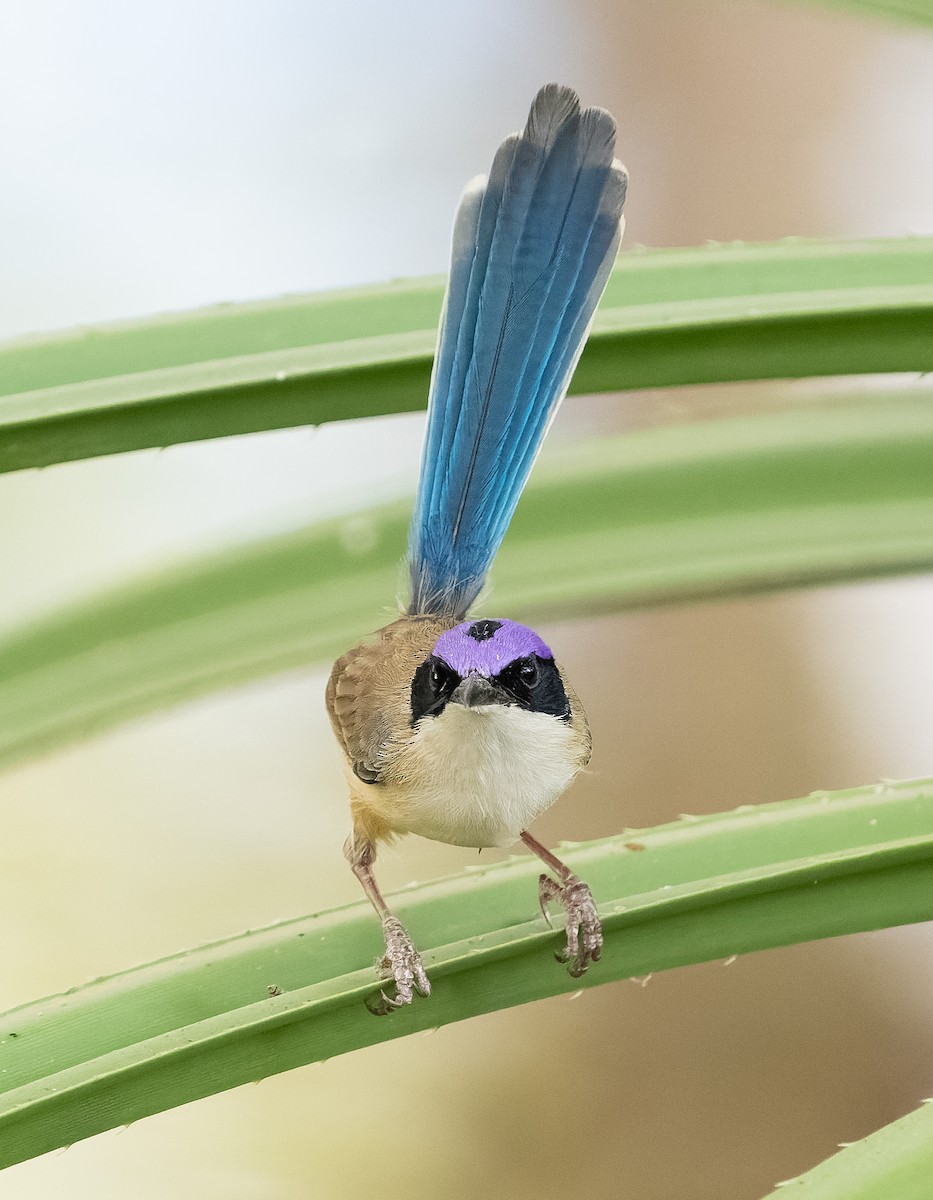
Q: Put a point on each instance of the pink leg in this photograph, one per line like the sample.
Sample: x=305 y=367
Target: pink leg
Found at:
x=584 y=932
x=401 y=962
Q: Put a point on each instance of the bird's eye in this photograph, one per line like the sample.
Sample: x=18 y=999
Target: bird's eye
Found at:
x=528 y=672
x=440 y=677
x=431 y=687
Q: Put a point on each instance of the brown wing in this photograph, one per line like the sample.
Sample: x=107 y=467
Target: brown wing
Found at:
x=578 y=721
x=369 y=692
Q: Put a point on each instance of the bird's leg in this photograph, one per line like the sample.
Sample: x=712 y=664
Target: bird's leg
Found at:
x=401 y=962
x=584 y=932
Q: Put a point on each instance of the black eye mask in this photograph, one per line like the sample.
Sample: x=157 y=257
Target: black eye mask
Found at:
x=531 y=683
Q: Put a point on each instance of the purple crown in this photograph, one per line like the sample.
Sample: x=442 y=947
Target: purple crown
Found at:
x=487 y=646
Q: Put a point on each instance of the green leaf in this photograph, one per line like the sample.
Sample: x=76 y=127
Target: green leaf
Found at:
x=668 y=317
x=896 y=1163
x=717 y=508
x=703 y=888
x=917 y=12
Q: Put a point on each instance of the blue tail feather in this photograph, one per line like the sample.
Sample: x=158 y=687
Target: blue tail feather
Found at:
x=532 y=251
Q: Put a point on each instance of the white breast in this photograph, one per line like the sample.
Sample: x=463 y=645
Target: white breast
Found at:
x=478 y=776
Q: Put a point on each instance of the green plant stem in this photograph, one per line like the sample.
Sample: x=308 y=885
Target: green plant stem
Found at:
x=668 y=317
x=895 y=1163
x=703 y=888
x=669 y=514
x=913 y=12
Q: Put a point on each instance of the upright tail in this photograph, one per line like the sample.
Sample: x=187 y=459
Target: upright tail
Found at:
x=532 y=249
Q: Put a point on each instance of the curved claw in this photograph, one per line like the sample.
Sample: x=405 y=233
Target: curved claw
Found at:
x=584 y=931
x=401 y=964
x=381 y=1005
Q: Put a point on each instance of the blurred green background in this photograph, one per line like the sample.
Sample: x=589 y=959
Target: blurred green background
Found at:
x=163 y=157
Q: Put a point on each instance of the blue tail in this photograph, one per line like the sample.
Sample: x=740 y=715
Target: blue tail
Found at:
x=532 y=250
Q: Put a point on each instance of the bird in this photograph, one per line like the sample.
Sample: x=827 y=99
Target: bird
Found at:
x=466 y=729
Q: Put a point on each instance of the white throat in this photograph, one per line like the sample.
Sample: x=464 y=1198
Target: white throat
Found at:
x=479 y=776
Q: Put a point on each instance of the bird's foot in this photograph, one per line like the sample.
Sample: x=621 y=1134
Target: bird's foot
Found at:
x=584 y=931
x=401 y=964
